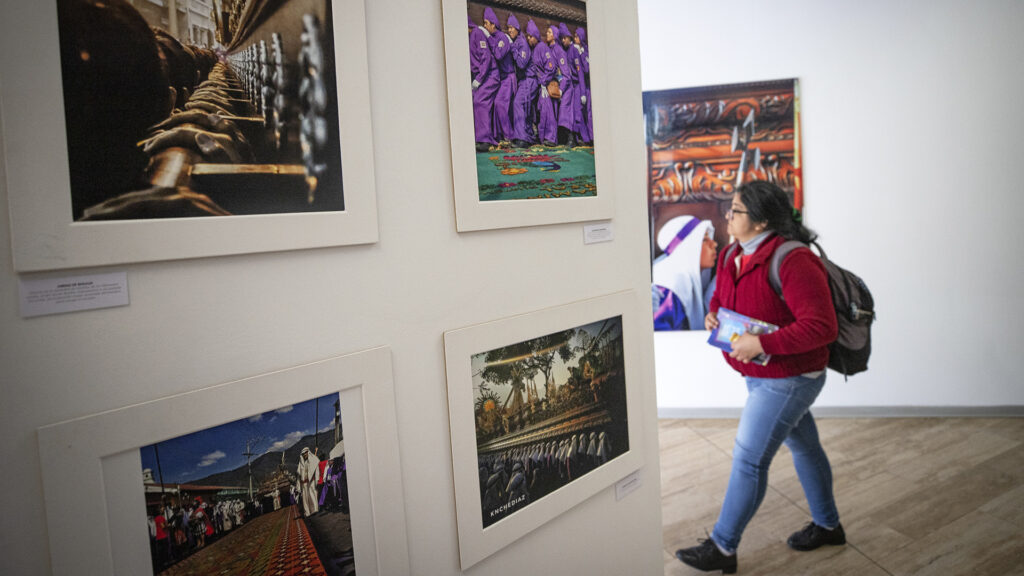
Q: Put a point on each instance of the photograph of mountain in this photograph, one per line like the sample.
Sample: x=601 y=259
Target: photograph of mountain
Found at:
x=261 y=495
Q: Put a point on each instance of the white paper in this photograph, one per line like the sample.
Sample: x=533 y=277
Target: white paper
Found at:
x=601 y=232
x=627 y=485
x=40 y=296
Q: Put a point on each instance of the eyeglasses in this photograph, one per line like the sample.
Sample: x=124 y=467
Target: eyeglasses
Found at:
x=731 y=212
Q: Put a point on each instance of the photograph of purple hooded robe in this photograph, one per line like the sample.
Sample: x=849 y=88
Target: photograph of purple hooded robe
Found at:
x=501 y=46
x=529 y=93
x=486 y=81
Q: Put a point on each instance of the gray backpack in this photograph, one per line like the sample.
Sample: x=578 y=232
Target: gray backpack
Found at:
x=855 y=309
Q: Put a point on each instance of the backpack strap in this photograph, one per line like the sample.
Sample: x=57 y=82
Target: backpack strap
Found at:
x=773 y=271
x=780 y=253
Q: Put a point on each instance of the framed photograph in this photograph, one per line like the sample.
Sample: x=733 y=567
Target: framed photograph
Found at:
x=134 y=134
x=270 y=473
x=543 y=415
x=702 y=144
x=526 y=89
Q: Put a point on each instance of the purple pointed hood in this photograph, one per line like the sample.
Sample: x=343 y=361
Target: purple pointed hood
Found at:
x=555 y=31
x=532 y=30
x=513 y=22
x=564 y=30
x=582 y=35
x=490 y=16
x=471 y=23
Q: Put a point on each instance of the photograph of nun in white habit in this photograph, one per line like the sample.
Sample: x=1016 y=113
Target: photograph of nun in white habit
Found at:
x=683 y=278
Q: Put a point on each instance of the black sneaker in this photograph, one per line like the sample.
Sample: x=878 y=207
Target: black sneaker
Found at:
x=813 y=536
x=707 y=557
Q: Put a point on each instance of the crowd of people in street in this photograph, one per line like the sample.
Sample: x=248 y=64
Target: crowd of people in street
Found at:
x=529 y=86
x=177 y=532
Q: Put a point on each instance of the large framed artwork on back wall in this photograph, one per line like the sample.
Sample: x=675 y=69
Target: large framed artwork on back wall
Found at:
x=702 y=144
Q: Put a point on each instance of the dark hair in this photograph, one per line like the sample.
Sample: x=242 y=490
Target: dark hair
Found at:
x=770 y=204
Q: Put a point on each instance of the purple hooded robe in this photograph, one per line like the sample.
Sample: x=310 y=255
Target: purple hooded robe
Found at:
x=524 y=107
x=545 y=63
x=501 y=47
x=521 y=50
x=587 y=133
x=569 y=106
x=485 y=83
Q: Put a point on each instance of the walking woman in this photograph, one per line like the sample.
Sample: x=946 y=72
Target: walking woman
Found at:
x=782 y=391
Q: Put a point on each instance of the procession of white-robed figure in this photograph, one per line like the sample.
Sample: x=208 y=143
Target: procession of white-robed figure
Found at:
x=229 y=488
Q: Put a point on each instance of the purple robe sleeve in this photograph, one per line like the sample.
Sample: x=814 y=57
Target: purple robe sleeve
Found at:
x=669 y=313
x=564 y=67
x=521 y=53
x=500 y=45
x=543 y=64
x=577 y=64
x=480 y=58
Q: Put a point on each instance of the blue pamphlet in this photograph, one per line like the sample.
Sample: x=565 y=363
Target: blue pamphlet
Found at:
x=731 y=324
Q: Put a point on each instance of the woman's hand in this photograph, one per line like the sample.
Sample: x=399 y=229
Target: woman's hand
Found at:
x=711 y=321
x=746 y=347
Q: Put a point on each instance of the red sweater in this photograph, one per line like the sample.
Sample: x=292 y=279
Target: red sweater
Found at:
x=806 y=320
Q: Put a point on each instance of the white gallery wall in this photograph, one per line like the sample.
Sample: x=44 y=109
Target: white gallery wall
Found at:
x=911 y=123
x=197 y=323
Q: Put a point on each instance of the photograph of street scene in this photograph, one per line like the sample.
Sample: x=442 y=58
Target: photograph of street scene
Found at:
x=261 y=495
x=548 y=411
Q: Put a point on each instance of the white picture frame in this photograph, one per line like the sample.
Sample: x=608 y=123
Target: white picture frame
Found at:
x=44 y=237
x=470 y=212
x=106 y=491
x=476 y=542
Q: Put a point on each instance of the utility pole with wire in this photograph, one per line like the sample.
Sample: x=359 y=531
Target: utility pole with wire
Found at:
x=248 y=463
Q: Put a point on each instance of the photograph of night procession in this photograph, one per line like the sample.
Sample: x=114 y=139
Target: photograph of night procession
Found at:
x=548 y=411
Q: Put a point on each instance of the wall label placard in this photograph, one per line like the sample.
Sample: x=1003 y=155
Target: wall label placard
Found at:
x=627 y=485
x=42 y=296
x=601 y=232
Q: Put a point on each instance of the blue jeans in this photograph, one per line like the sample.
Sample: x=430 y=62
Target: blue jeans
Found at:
x=777 y=411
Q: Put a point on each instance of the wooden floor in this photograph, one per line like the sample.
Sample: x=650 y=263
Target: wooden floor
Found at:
x=921 y=496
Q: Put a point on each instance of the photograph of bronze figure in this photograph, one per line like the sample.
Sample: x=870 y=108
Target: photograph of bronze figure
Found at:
x=200 y=108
